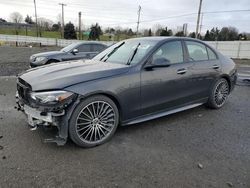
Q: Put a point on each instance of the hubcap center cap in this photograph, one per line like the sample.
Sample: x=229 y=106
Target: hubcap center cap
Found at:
x=95 y=121
x=220 y=95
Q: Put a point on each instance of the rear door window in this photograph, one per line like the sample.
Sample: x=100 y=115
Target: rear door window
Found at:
x=211 y=54
x=197 y=51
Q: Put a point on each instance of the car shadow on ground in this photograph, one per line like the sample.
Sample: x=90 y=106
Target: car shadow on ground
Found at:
x=168 y=122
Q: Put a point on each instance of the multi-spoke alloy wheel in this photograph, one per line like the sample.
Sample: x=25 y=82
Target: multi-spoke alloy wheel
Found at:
x=219 y=94
x=94 y=121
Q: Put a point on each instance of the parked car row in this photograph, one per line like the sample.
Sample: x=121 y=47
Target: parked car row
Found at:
x=75 y=51
x=132 y=81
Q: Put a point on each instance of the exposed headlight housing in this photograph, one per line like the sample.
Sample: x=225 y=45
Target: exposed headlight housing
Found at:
x=51 y=97
x=40 y=58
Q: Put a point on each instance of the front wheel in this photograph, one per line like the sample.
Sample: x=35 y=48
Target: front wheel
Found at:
x=94 y=121
x=219 y=93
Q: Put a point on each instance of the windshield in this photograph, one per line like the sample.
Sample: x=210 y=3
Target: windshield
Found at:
x=69 y=47
x=126 y=52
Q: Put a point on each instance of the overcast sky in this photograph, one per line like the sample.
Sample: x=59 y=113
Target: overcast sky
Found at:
x=113 y=13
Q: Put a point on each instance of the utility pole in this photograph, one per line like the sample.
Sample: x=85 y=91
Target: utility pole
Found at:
x=36 y=18
x=201 y=22
x=138 y=21
x=198 y=20
x=80 y=23
x=62 y=4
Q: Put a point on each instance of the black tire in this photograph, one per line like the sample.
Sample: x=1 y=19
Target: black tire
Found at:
x=219 y=93
x=51 y=61
x=96 y=114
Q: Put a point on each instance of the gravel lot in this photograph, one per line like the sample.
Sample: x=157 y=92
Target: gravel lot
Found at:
x=164 y=152
x=16 y=59
x=195 y=148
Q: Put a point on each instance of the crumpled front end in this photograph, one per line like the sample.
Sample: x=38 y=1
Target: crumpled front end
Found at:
x=44 y=109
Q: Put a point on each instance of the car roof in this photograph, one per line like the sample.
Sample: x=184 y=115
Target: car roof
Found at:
x=89 y=42
x=163 y=38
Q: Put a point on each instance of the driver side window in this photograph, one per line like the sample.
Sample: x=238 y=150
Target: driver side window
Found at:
x=171 y=51
x=84 y=48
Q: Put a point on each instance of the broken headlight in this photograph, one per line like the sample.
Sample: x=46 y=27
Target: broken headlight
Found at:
x=51 y=97
x=40 y=58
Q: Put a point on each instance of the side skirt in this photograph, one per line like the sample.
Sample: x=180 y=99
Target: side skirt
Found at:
x=160 y=114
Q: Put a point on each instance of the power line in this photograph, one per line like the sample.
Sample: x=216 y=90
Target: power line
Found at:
x=104 y=11
x=225 y=11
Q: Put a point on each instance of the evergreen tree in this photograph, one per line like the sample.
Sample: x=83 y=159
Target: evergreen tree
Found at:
x=192 y=35
x=149 y=32
x=207 y=36
x=29 y=20
x=166 y=32
x=69 y=31
x=95 y=32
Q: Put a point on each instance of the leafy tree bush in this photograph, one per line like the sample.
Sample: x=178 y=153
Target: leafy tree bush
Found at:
x=180 y=34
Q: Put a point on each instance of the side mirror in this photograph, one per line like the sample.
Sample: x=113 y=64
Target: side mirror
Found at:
x=159 y=62
x=75 y=51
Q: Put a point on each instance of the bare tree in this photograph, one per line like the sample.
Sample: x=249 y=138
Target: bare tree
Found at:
x=45 y=24
x=157 y=28
x=16 y=17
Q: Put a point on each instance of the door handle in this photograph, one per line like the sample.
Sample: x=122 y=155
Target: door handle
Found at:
x=181 y=71
x=215 y=67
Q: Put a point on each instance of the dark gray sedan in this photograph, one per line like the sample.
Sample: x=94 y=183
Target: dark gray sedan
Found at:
x=130 y=82
x=75 y=51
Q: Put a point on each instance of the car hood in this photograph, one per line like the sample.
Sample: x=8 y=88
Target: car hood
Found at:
x=46 y=54
x=59 y=76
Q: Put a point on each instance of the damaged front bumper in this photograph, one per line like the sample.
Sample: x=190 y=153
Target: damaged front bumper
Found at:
x=36 y=117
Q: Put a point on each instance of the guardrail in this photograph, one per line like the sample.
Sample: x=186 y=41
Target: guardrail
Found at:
x=233 y=49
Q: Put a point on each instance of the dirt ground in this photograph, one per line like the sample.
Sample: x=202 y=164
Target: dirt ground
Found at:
x=197 y=148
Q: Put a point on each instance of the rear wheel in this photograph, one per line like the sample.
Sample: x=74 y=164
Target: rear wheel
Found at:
x=94 y=121
x=218 y=94
x=51 y=61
